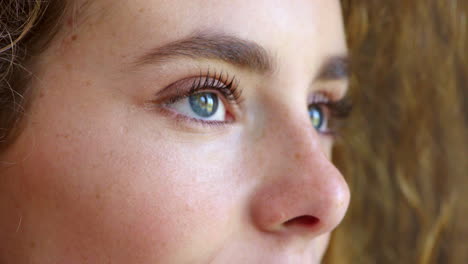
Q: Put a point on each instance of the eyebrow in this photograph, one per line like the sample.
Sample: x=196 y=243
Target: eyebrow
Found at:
x=230 y=49
x=236 y=51
x=335 y=68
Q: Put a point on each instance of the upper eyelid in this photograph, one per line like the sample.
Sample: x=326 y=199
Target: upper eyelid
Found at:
x=223 y=83
x=210 y=79
x=204 y=77
x=178 y=88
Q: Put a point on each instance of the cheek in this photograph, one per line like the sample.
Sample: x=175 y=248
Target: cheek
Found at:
x=112 y=188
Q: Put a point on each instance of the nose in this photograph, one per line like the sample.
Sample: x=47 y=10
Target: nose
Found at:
x=301 y=192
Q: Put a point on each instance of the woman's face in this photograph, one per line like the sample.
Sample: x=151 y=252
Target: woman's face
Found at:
x=180 y=132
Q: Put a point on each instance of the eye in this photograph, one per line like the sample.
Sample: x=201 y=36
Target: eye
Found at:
x=202 y=106
x=209 y=99
x=326 y=115
x=318 y=118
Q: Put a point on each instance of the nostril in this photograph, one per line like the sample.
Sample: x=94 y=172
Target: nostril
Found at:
x=304 y=221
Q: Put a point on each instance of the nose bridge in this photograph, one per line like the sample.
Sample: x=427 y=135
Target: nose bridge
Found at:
x=303 y=192
x=308 y=164
x=297 y=138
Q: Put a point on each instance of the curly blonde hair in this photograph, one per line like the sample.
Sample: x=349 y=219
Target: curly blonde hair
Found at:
x=404 y=152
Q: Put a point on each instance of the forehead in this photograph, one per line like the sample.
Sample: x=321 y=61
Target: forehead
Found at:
x=307 y=29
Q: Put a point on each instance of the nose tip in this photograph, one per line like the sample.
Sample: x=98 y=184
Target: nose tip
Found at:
x=303 y=193
x=306 y=205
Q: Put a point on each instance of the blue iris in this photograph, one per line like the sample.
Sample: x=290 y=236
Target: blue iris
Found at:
x=316 y=117
x=204 y=104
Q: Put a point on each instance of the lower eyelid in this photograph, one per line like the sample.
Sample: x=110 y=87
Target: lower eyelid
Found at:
x=178 y=121
x=186 y=121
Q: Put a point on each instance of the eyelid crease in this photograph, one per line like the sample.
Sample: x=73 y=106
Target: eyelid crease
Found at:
x=320 y=97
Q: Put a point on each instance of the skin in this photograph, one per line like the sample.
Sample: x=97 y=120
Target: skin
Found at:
x=101 y=175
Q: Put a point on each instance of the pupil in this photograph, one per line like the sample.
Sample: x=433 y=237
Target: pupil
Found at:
x=316 y=117
x=204 y=104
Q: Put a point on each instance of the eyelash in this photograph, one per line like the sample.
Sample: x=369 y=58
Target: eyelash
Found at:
x=227 y=85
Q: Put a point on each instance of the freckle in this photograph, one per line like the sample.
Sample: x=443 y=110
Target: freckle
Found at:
x=68 y=66
x=98 y=196
x=32 y=245
x=41 y=94
x=141 y=10
x=88 y=83
x=297 y=156
x=65 y=136
x=74 y=37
